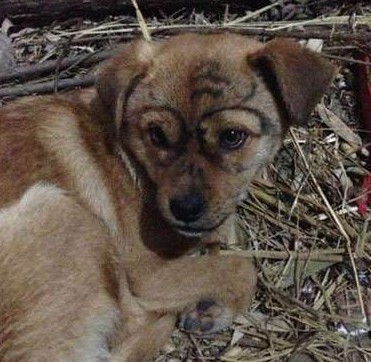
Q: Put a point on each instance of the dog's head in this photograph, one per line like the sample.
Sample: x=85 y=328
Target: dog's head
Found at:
x=203 y=113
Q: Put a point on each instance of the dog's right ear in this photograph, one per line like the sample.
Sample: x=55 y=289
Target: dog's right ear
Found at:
x=118 y=76
x=296 y=76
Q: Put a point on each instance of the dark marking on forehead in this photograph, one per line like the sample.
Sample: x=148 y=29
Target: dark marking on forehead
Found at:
x=266 y=124
x=213 y=92
x=209 y=71
x=207 y=80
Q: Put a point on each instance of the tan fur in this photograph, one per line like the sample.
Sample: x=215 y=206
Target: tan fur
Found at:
x=105 y=191
x=76 y=160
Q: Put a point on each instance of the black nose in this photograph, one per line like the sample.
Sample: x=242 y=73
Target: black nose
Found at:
x=188 y=208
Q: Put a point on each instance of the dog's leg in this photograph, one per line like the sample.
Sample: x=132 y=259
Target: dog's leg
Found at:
x=208 y=290
x=142 y=345
x=225 y=234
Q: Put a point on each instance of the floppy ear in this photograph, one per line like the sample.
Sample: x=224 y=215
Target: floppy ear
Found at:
x=296 y=77
x=118 y=76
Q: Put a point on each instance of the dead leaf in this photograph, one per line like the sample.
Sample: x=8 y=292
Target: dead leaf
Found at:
x=338 y=126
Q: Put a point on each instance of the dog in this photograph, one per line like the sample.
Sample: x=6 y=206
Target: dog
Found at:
x=105 y=191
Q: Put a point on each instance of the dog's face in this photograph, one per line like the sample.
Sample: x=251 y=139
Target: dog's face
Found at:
x=203 y=113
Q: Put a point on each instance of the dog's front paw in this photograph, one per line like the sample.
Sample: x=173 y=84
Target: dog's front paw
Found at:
x=206 y=317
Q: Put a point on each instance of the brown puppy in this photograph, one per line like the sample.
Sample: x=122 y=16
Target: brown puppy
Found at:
x=92 y=264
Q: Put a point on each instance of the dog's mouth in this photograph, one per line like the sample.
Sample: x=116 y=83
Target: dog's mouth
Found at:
x=192 y=231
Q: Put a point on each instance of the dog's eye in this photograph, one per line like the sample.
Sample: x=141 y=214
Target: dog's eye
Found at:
x=158 y=136
x=232 y=139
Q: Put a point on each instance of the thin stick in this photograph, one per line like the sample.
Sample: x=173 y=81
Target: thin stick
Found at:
x=200 y=355
x=362 y=36
x=142 y=23
x=333 y=256
x=346 y=59
x=336 y=220
x=254 y=14
x=294 y=301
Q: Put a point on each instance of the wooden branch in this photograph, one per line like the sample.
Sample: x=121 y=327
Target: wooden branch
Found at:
x=363 y=37
x=45 y=10
x=41 y=10
x=46 y=87
x=35 y=70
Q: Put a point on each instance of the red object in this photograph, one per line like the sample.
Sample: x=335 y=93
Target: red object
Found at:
x=364 y=94
x=364 y=98
x=365 y=198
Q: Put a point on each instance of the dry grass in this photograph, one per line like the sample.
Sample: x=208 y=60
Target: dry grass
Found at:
x=300 y=222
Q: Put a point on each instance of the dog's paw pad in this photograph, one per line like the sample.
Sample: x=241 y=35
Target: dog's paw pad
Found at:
x=206 y=317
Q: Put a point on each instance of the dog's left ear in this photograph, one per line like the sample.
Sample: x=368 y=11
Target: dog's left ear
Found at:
x=118 y=76
x=297 y=77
